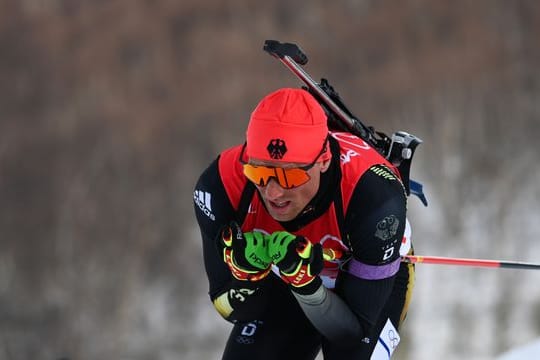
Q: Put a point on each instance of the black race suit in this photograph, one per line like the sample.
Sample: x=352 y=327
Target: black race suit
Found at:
x=360 y=208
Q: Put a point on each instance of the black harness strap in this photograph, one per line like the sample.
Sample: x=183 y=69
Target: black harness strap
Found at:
x=245 y=201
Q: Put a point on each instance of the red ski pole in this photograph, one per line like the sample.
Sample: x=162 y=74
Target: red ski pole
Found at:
x=413 y=259
x=330 y=254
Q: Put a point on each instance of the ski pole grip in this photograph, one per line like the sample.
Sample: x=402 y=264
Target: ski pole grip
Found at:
x=281 y=50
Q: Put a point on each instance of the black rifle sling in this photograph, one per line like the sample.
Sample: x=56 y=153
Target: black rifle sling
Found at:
x=245 y=201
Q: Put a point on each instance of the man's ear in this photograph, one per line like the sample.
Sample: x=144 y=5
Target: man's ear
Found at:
x=325 y=164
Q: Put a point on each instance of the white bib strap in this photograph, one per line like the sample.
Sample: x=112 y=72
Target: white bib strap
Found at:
x=387 y=342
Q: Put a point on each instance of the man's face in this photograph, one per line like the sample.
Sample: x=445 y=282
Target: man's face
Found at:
x=285 y=204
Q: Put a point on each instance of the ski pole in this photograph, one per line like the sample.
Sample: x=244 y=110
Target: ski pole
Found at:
x=331 y=254
x=440 y=260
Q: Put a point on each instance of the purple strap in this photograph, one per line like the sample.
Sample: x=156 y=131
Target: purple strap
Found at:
x=373 y=272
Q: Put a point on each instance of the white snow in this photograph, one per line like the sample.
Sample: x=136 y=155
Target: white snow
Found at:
x=530 y=351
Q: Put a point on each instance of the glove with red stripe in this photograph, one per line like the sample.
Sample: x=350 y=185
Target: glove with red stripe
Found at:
x=299 y=261
x=246 y=254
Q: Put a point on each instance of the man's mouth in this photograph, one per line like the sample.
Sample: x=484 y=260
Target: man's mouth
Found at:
x=279 y=204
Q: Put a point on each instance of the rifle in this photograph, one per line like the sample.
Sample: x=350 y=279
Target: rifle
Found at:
x=397 y=149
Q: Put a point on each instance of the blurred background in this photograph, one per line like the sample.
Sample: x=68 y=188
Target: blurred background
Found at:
x=109 y=111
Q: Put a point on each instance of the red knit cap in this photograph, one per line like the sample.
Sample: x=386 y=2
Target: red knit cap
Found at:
x=288 y=125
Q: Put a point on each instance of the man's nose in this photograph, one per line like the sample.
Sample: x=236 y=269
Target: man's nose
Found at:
x=273 y=190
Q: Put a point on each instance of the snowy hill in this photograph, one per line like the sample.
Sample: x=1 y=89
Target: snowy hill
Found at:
x=530 y=351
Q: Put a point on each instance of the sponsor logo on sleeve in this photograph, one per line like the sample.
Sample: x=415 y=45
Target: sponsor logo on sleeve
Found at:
x=203 y=200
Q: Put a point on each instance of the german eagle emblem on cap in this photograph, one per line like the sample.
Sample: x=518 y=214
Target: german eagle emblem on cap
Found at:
x=276 y=148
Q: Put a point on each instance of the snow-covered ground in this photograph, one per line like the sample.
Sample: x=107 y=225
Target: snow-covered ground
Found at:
x=478 y=313
x=530 y=351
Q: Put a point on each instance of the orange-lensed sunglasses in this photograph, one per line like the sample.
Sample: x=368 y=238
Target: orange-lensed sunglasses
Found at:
x=287 y=178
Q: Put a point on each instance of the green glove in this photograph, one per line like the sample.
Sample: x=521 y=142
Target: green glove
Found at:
x=299 y=261
x=246 y=254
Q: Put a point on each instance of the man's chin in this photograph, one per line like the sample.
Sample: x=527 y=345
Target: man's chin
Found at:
x=282 y=216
